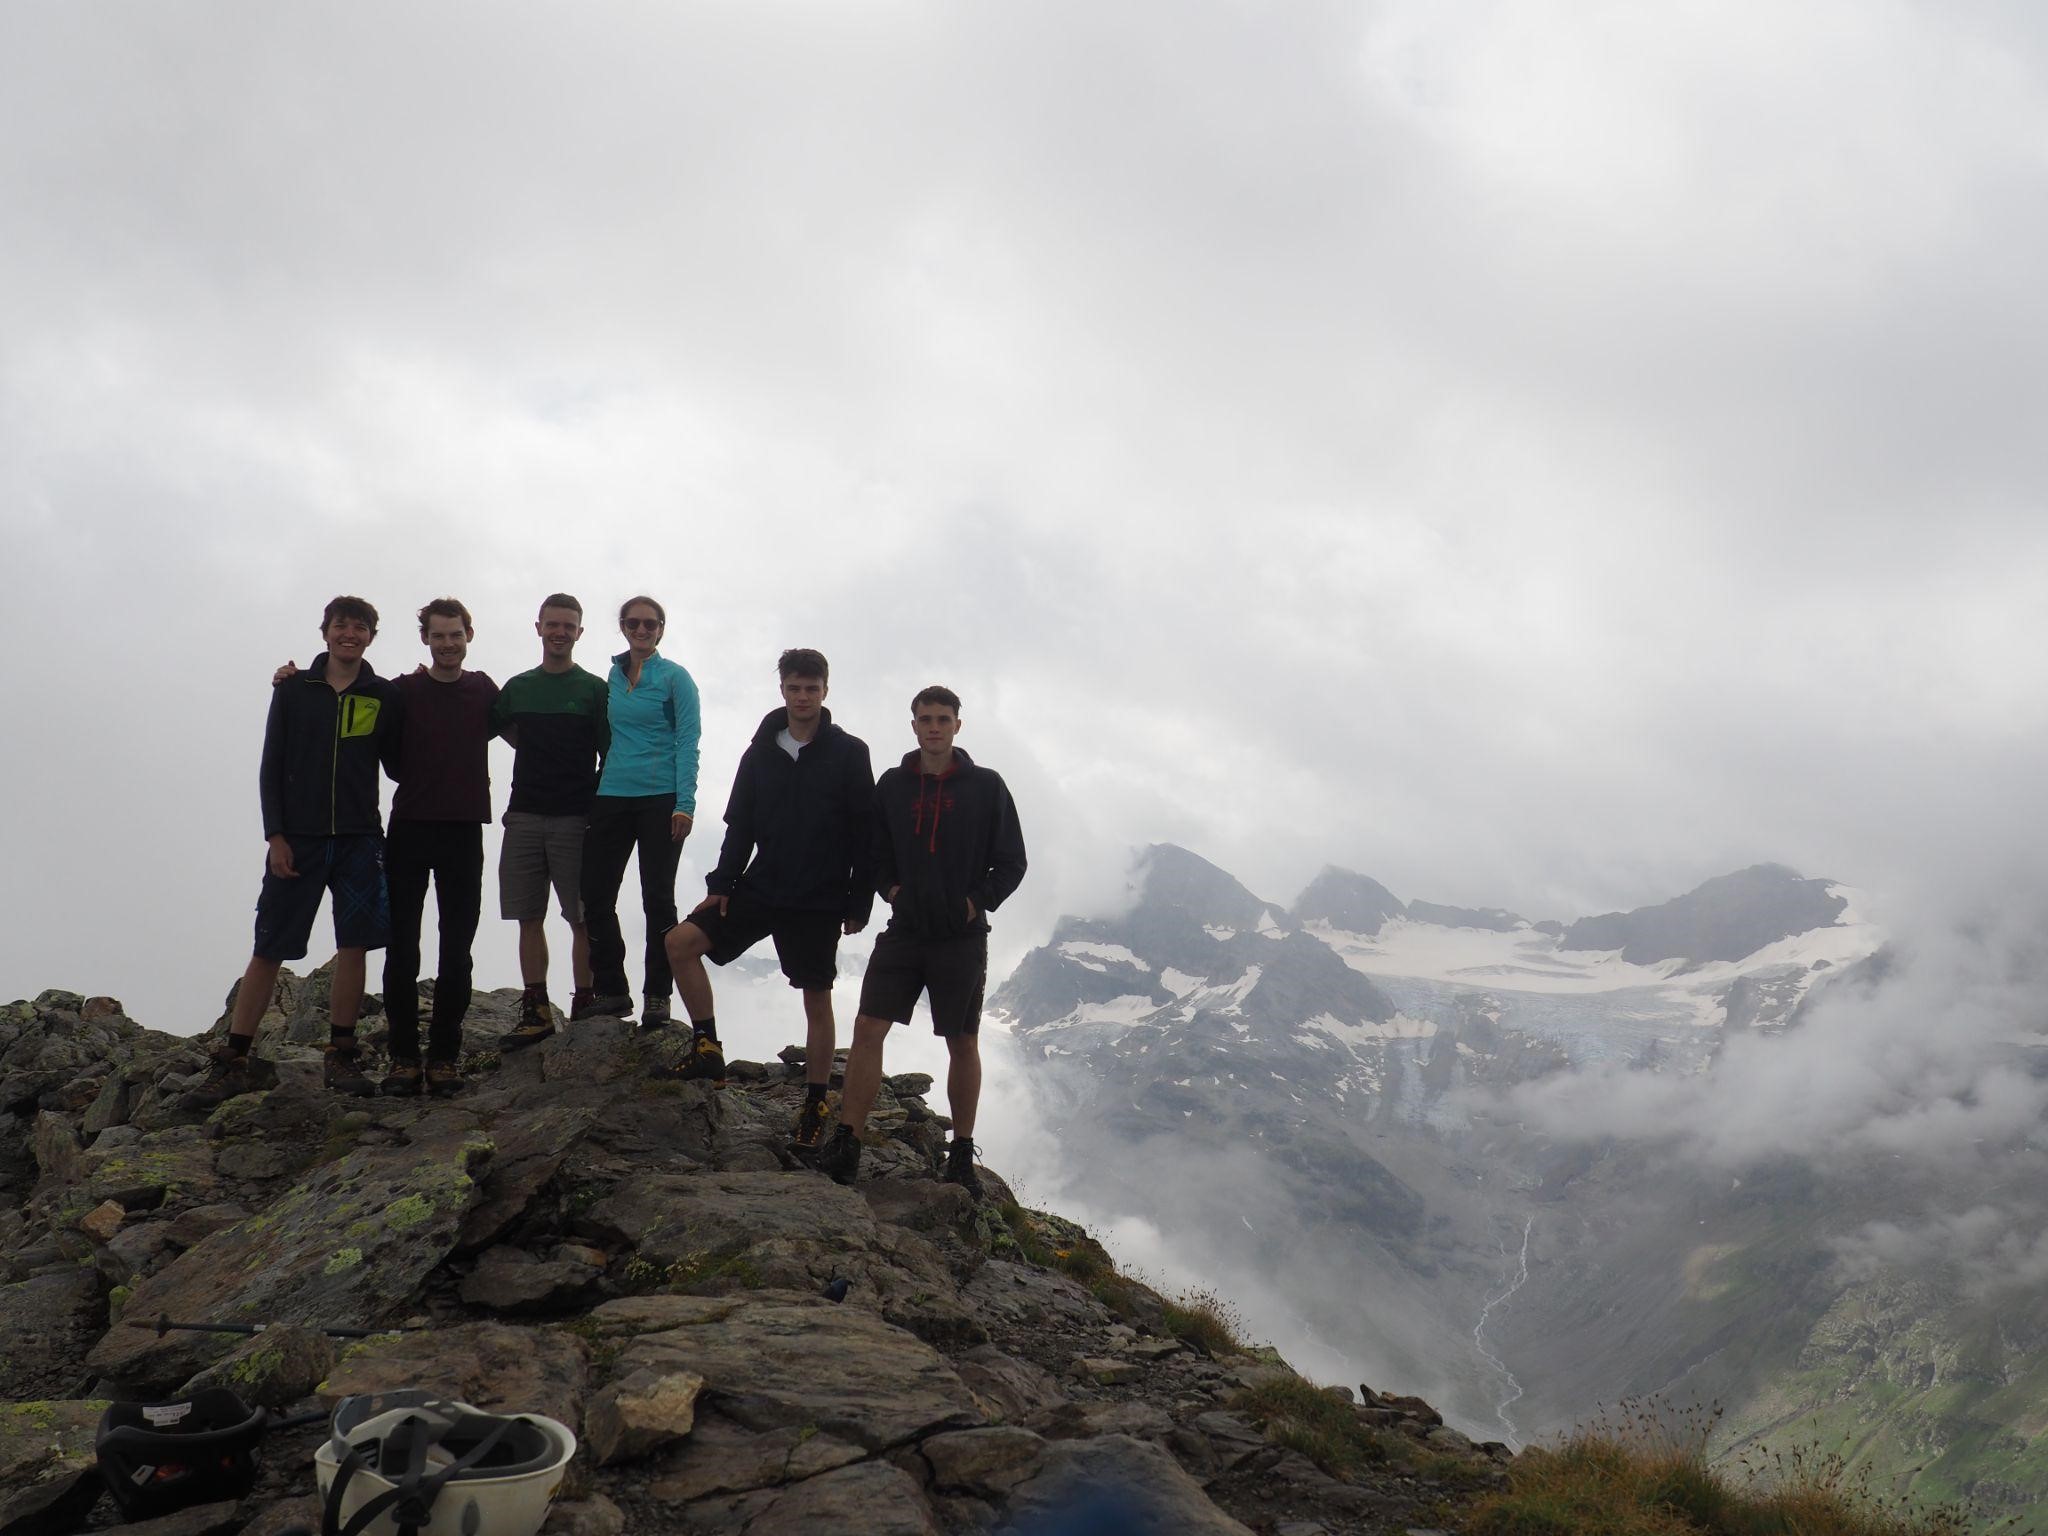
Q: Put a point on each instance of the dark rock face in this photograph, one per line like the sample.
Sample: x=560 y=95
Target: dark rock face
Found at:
x=1174 y=879
x=1492 y=919
x=1725 y=918
x=1347 y=901
x=642 y=1260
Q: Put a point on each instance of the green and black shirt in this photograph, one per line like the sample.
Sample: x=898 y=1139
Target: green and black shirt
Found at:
x=562 y=733
x=321 y=752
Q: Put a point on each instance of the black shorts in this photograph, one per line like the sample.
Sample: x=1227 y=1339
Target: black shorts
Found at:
x=352 y=867
x=807 y=943
x=954 y=971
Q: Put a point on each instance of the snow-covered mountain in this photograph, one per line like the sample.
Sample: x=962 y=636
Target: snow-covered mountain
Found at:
x=1318 y=1101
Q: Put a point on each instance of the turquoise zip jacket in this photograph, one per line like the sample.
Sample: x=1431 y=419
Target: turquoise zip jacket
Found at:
x=321 y=752
x=655 y=728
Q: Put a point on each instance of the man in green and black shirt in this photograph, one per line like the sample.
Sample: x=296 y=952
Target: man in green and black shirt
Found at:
x=555 y=718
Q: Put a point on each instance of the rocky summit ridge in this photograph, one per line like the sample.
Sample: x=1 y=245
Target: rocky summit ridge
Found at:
x=741 y=1345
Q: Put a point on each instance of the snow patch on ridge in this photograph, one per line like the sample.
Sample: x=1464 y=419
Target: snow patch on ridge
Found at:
x=1081 y=952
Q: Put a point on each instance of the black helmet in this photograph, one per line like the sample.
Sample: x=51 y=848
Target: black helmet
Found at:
x=161 y=1457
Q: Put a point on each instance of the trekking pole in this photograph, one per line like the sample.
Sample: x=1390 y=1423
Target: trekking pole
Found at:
x=164 y=1325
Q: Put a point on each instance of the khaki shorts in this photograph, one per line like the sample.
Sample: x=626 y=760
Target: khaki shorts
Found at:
x=538 y=852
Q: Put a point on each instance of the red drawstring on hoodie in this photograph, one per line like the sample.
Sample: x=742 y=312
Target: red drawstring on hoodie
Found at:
x=937 y=782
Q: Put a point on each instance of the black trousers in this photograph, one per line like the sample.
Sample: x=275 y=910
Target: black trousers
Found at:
x=618 y=825
x=451 y=853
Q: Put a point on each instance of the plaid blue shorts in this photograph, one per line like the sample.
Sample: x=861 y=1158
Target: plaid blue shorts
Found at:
x=352 y=867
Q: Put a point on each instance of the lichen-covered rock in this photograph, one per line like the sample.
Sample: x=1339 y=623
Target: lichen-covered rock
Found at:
x=271 y=1369
x=347 y=1247
x=48 y=1480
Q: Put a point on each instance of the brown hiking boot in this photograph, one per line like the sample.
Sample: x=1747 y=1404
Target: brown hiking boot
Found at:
x=536 y=1023
x=343 y=1072
x=444 y=1079
x=403 y=1081
x=228 y=1075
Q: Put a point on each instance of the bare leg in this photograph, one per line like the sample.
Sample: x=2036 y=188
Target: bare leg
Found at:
x=820 y=1037
x=963 y=1082
x=863 y=1071
x=687 y=946
x=345 y=1000
x=579 y=955
x=259 y=981
x=533 y=952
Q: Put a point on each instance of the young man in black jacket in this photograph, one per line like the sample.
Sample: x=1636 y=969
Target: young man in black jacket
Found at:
x=794 y=868
x=330 y=728
x=948 y=851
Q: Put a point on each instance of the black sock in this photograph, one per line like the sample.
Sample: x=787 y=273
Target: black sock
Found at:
x=342 y=1039
x=705 y=1029
x=238 y=1045
x=538 y=990
x=815 y=1092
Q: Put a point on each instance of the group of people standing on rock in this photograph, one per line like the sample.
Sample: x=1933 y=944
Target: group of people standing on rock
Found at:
x=605 y=770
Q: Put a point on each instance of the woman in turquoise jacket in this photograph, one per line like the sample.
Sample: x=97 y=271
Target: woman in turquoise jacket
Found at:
x=646 y=798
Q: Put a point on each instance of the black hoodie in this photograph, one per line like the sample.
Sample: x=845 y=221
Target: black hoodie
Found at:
x=803 y=820
x=946 y=841
x=321 y=750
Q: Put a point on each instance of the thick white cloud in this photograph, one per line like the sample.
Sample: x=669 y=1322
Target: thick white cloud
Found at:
x=1536 y=455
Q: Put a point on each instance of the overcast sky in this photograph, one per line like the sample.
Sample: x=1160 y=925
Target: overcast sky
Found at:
x=1536 y=454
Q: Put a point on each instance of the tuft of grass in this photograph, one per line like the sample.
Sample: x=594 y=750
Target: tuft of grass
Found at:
x=1303 y=1417
x=1642 y=1470
x=1204 y=1321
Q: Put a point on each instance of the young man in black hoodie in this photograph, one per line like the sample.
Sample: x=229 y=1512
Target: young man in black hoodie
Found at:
x=794 y=868
x=330 y=728
x=948 y=851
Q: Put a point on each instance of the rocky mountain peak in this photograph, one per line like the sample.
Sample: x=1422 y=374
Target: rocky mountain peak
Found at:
x=1726 y=918
x=1347 y=900
x=741 y=1345
x=1170 y=878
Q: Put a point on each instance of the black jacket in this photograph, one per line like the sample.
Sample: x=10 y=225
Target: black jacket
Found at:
x=804 y=822
x=946 y=841
x=321 y=751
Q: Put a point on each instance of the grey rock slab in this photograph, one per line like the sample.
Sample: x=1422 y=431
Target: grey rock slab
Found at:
x=1077 y=1421
x=771 y=1364
x=512 y=1280
x=1032 y=1298
x=723 y=1457
x=493 y=1366
x=986 y=1462
x=346 y=1247
x=1106 y=1370
x=47 y=1323
x=200 y=1520
x=872 y=1498
x=529 y=1153
x=1009 y=1389
x=1132 y=1481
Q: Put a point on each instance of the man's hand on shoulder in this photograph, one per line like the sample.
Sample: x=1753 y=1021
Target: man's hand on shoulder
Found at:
x=284 y=674
x=281 y=858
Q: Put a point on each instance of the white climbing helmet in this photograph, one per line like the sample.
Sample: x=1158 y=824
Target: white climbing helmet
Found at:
x=413 y=1464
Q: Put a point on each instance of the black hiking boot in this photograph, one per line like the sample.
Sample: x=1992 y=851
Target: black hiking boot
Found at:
x=655 y=1015
x=228 y=1075
x=403 y=1081
x=594 y=1005
x=343 y=1072
x=810 y=1127
x=536 y=1023
x=960 y=1167
x=840 y=1161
